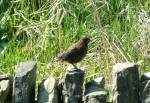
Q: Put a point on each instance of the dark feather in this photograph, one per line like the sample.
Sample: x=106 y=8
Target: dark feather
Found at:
x=76 y=52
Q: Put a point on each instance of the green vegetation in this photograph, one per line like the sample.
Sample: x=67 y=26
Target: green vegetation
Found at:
x=40 y=29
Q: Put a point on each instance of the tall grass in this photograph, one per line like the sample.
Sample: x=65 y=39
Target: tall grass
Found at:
x=40 y=29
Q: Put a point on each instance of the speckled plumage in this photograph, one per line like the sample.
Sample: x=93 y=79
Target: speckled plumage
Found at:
x=76 y=52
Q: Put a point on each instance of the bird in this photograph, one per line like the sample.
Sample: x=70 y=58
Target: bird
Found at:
x=75 y=52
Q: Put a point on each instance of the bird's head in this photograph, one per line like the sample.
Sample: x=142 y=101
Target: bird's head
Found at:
x=85 y=40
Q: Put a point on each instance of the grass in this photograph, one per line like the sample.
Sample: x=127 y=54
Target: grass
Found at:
x=39 y=30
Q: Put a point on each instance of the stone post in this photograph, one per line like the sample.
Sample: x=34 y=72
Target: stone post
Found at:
x=6 y=89
x=73 y=86
x=24 y=82
x=145 y=88
x=125 y=83
x=47 y=91
x=95 y=91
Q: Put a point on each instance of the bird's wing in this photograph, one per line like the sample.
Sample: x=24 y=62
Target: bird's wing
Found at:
x=71 y=50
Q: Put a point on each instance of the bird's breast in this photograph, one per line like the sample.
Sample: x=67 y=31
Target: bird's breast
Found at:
x=76 y=55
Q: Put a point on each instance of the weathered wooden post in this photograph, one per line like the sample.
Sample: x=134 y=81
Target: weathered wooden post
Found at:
x=47 y=91
x=73 y=86
x=6 y=89
x=95 y=92
x=145 y=88
x=125 y=83
x=24 y=83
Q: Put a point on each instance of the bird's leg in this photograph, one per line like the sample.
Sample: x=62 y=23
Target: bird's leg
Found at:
x=74 y=66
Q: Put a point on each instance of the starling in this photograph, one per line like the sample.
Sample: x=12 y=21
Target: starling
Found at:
x=76 y=52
